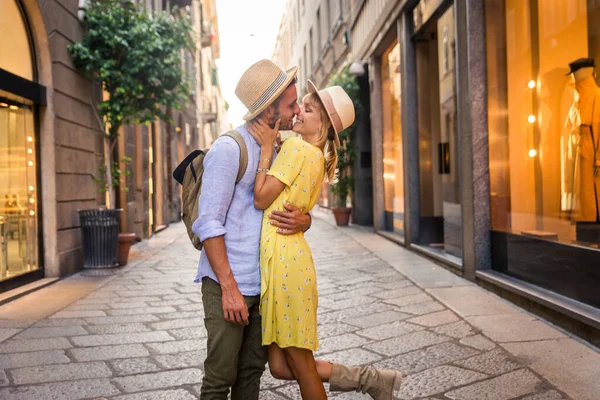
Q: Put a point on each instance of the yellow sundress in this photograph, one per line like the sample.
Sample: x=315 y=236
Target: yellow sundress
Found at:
x=289 y=297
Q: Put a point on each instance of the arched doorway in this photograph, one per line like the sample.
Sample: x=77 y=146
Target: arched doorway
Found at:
x=20 y=98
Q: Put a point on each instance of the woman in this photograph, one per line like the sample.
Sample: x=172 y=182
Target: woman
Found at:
x=288 y=280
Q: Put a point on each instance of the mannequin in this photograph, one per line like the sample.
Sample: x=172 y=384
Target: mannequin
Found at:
x=584 y=122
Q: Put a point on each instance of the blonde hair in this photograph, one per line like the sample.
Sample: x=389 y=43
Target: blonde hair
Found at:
x=326 y=139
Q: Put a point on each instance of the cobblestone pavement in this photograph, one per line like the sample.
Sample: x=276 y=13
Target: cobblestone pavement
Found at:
x=141 y=334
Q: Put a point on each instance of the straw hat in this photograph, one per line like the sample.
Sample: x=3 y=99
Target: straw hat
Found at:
x=338 y=105
x=261 y=84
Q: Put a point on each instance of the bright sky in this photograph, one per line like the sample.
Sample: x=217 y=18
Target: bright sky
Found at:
x=238 y=20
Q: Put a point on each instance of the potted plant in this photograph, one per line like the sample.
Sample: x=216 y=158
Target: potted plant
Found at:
x=343 y=186
x=136 y=59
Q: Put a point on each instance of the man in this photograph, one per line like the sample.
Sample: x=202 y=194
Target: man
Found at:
x=229 y=227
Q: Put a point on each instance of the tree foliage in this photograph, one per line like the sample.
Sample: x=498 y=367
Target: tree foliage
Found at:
x=344 y=185
x=137 y=57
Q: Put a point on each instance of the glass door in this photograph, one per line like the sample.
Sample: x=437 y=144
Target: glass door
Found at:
x=440 y=226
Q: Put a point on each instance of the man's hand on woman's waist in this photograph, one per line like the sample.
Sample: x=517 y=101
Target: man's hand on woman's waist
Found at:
x=291 y=221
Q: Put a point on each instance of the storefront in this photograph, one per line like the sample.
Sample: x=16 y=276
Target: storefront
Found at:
x=20 y=97
x=486 y=153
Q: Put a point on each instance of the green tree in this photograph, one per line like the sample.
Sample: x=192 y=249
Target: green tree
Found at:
x=344 y=185
x=137 y=59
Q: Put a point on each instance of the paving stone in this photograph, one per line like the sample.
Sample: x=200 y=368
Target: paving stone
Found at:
x=59 y=372
x=409 y=300
x=117 y=328
x=109 y=352
x=49 y=323
x=351 y=302
x=347 y=294
x=145 y=292
x=180 y=346
x=133 y=366
x=435 y=319
x=171 y=394
x=479 y=342
x=396 y=293
x=406 y=343
x=193 y=332
x=159 y=380
x=514 y=328
x=17 y=360
x=87 y=307
x=169 y=303
x=139 y=299
x=79 y=314
x=183 y=314
x=270 y=396
x=147 y=310
x=397 y=284
x=6 y=333
x=16 y=323
x=123 y=319
x=387 y=331
x=182 y=360
x=422 y=308
x=60 y=331
x=457 y=330
x=25 y=345
x=334 y=329
x=549 y=395
x=505 y=387
x=133 y=304
x=336 y=343
x=70 y=390
x=178 y=323
x=377 y=319
x=3 y=379
x=436 y=380
x=357 y=356
x=420 y=360
x=121 y=338
x=495 y=362
x=359 y=311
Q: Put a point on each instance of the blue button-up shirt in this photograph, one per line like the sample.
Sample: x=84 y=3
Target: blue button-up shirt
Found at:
x=226 y=209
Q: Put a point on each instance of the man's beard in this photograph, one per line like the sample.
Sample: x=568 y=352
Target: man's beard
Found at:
x=284 y=125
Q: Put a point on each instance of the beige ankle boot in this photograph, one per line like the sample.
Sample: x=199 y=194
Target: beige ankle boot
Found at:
x=378 y=383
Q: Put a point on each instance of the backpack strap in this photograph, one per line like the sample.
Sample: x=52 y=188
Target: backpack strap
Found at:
x=243 y=152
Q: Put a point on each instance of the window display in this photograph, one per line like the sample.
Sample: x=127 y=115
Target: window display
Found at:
x=18 y=190
x=544 y=118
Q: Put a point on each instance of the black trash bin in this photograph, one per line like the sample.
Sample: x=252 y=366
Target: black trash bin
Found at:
x=100 y=237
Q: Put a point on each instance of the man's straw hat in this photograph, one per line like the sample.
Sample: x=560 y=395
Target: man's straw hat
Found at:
x=338 y=105
x=261 y=84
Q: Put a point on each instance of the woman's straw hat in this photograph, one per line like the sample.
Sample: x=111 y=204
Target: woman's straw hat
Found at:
x=338 y=105
x=261 y=84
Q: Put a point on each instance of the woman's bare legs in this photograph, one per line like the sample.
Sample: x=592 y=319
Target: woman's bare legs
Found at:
x=280 y=369
x=298 y=364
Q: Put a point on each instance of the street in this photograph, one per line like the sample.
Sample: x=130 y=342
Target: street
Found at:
x=139 y=334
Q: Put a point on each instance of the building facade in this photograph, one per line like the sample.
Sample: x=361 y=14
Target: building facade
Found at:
x=482 y=145
x=51 y=143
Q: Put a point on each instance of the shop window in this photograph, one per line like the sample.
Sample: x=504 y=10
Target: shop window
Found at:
x=18 y=190
x=15 y=52
x=544 y=118
x=393 y=168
